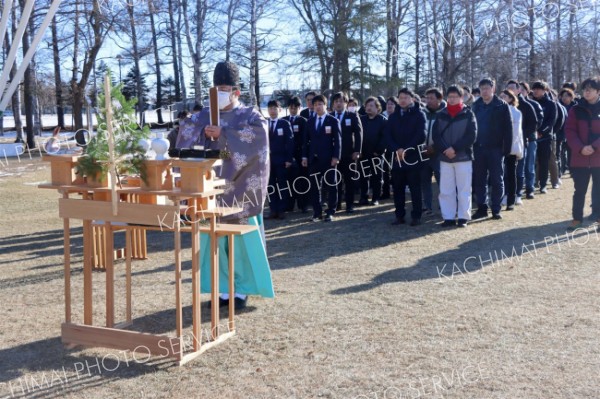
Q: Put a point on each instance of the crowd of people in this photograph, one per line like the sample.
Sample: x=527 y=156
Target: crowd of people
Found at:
x=496 y=146
x=491 y=145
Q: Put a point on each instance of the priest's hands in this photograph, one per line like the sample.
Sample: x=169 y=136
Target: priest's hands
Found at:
x=212 y=132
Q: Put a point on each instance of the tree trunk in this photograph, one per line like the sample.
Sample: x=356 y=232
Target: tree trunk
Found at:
x=532 y=71
x=136 y=64
x=78 y=86
x=16 y=97
x=152 y=10
x=180 y=54
x=174 y=49
x=28 y=89
x=253 y=55
x=417 y=47
x=60 y=110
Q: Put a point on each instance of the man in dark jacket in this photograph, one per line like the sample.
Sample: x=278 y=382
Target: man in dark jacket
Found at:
x=431 y=164
x=281 y=146
x=531 y=148
x=370 y=166
x=297 y=174
x=405 y=134
x=321 y=153
x=351 y=148
x=567 y=100
x=545 y=132
x=561 y=118
x=454 y=133
x=529 y=126
x=494 y=142
x=309 y=111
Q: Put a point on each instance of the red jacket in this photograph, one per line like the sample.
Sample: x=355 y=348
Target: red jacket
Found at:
x=583 y=128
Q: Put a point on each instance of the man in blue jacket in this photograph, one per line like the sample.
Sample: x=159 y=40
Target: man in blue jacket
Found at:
x=494 y=142
x=405 y=136
x=321 y=152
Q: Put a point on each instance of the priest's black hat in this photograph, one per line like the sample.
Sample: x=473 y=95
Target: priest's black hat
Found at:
x=226 y=74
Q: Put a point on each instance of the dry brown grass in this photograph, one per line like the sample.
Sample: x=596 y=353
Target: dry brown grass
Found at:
x=361 y=310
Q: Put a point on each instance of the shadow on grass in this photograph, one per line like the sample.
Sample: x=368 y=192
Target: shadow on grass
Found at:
x=45 y=369
x=504 y=249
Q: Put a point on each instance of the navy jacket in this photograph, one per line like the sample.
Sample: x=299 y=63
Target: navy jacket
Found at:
x=321 y=146
x=281 y=143
x=499 y=133
x=539 y=112
x=406 y=130
x=298 y=127
x=546 y=130
x=305 y=113
x=352 y=134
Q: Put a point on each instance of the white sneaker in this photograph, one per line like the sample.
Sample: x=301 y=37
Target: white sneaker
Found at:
x=518 y=201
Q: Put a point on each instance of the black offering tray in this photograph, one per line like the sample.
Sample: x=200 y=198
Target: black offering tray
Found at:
x=193 y=153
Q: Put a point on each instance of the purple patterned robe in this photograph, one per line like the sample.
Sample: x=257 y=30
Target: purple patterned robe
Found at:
x=245 y=135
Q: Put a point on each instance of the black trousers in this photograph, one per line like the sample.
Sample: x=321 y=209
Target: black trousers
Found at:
x=370 y=175
x=402 y=177
x=581 y=180
x=510 y=179
x=348 y=185
x=300 y=183
x=544 y=151
x=322 y=175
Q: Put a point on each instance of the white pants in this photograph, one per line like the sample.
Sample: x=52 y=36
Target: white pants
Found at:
x=455 y=189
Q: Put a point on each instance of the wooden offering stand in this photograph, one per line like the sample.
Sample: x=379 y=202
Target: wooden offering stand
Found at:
x=154 y=205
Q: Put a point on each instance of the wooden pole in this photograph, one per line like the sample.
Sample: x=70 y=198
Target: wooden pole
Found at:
x=111 y=145
x=29 y=55
x=213 y=101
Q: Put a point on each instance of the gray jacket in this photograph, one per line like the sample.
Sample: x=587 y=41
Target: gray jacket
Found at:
x=459 y=133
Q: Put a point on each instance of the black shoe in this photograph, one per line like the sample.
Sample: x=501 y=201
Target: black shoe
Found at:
x=530 y=196
x=328 y=218
x=240 y=303
x=317 y=218
x=510 y=207
x=496 y=216
x=281 y=216
x=304 y=210
x=338 y=208
x=398 y=221
x=222 y=303
x=374 y=203
x=415 y=222
x=462 y=223
x=273 y=215
x=480 y=214
x=385 y=197
x=363 y=202
x=448 y=223
x=350 y=210
x=543 y=190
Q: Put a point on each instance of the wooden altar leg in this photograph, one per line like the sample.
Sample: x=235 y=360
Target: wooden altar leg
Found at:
x=67 y=264
x=110 y=274
x=87 y=272
x=214 y=286
x=196 y=310
x=128 y=274
x=231 y=326
x=178 y=312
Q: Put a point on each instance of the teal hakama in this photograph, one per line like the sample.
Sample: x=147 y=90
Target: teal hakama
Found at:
x=252 y=271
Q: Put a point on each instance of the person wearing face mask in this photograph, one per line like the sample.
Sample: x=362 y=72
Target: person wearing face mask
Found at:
x=351 y=148
x=242 y=136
